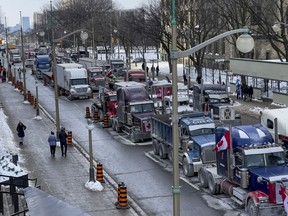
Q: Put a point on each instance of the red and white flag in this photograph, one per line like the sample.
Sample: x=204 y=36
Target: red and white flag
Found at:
x=284 y=196
x=224 y=143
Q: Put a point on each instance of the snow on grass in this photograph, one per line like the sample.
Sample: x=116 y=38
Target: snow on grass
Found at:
x=94 y=186
x=26 y=102
x=280 y=105
x=256 y=110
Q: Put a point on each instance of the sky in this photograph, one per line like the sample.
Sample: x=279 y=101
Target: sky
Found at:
x=11 y=8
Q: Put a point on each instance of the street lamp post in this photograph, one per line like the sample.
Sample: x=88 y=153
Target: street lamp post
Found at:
x=7 y=56
x=37 y=102
x=90 y=127
x=245 y=43
x=23 y=60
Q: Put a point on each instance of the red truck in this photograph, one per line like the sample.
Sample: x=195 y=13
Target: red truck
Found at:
x=96 y=77
x=135 y=75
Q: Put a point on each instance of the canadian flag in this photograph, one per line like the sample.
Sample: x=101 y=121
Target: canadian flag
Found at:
x=224 y=143
x=284 y=196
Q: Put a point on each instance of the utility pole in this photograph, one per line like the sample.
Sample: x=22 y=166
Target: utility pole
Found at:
x=23 y=58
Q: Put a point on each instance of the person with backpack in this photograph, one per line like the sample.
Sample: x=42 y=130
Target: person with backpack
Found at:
x=20 y=132
x=63 y=141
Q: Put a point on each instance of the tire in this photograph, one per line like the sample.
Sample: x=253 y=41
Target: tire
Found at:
x=155 y=145
x=202 y=176
x=132 y=138
x=101 y=115
x=188 y=169
x=252 y=209
x=211 y=184
x=170 y=153
x=162 y=151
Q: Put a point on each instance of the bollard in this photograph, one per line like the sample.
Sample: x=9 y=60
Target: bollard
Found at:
x=99 y=173
x=122 y=198
x=21 y=86
x=95 y=117
x=32 y=100
x=87 y=112
x=118 y=189
x=69 y=138
x=105 y=121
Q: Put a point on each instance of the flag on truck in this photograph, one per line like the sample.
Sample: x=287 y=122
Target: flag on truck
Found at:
x=224 y=143
x=283 y=194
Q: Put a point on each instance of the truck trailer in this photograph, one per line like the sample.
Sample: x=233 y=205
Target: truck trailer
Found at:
x=72 y=80
x=251 y=169
x=196 y=138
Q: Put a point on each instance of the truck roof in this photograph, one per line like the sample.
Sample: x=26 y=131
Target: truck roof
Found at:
x=132 y=94
x=128 y=84
x=70 y=65
x=246 y=135
x=77 y=72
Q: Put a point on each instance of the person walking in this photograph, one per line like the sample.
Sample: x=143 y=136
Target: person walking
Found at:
x=157 y=70
x=52 y=142
x=20 y=132
x=250 y=92
x=153 y=70
x=4 y=74
x=63 y=141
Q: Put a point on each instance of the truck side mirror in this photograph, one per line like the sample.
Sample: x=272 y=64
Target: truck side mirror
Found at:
x=259 y=179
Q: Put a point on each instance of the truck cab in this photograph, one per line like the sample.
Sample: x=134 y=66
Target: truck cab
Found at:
x=135 y=75
x=42 y=64
x=96 y=77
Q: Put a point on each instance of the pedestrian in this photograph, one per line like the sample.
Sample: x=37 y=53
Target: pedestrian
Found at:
x=157 y=70
x=250 y=92
x=19 y=73
x=52 y=142
x=4 y=74
x=153 y=70
x=143 y=66
x=185 y=79
x=63 y=141
x=198 y=79
x=147 y=70
x=20 y=132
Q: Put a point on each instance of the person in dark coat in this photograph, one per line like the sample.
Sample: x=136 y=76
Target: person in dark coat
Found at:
x=4 y=74
x=250 y=92
x=63 y=141
x=20 y=132
x=198 y=79
x=52 y=142
x=157 y=70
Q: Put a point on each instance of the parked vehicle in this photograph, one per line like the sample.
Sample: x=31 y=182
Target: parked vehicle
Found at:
x=211 y=97
x=135 y=75
x=96 y=77
x=138 y=60
x=196 y=140
x=280 y=127
x=183 y=104
x=42 y=64
x=72 y=80
x=105 y=104
x=29 y=63
x=251 y=169
x=16 y=59
x=134 y=111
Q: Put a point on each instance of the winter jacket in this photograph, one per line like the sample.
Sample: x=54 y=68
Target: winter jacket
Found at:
x=20 y=129
x=63 y=137
x=52 y=140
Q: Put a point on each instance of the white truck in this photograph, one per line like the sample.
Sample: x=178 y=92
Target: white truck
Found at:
x=280 y=126
x=72 y=80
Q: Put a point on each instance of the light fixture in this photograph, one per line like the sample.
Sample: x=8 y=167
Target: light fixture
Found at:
x=245 y=43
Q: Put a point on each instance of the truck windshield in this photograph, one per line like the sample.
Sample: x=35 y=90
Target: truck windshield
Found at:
x=78 y=82
x=268 y=159
x=112 y=98
x=139 y=108
x=201 y=131
x=98 y=73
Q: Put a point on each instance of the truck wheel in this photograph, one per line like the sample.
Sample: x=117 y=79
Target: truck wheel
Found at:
x=132 y=137
x=155 y=145
x=188 y=169
x=213 y=187
x=252 y=209
x=202 y=176
x=101 y=115
x=162 y=151
x=170 y=153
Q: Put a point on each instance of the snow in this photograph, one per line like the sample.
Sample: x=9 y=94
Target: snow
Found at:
x=38 y=118
x=6 y=141
x=94 y=186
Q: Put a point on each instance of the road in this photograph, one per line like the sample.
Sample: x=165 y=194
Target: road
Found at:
x=147 y=178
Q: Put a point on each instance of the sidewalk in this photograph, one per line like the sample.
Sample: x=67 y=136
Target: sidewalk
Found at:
x=62 y=177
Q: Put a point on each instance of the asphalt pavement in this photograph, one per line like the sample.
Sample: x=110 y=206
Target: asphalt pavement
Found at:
x=62 y=177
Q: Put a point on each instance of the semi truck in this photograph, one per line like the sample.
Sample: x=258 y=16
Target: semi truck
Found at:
x=72 y=80
x=251 y=169
x=96 y=77
x=105 y=104
x=134 y=111
x=211 y=97
x=196 y=140
x=42 y=64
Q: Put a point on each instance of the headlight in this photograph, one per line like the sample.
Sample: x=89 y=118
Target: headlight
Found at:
x=263 y=199
x=73 y=91
x=88 y=90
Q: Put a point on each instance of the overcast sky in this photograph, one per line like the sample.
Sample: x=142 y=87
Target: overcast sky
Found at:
x=11 y=8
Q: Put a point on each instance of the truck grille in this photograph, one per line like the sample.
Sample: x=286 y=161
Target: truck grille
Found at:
x=208 y=154
x=81 y=90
